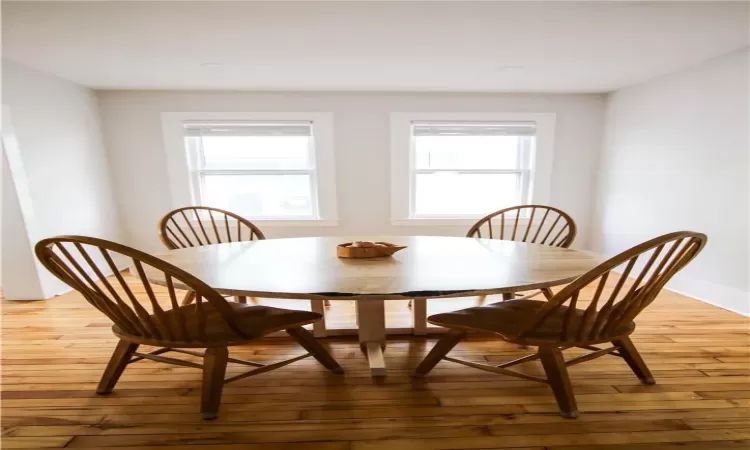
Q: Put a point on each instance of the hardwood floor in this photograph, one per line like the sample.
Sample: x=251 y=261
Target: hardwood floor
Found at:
x=55 y=351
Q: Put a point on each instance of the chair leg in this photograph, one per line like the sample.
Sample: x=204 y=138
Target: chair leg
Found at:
x=309 y=343
x=481 y=299
x=443 y=346
x=557 y=376
x=634 y=360
x=189 y=298
x=214 y=369
x=241 y=299
x=116 y=366
x=548 y=294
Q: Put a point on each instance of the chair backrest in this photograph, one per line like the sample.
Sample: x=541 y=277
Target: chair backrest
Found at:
x=643 y=271
x=82 y=262
x=531 y=223
x=189 y=227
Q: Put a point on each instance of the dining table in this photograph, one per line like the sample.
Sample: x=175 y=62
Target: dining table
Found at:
x=430 y=267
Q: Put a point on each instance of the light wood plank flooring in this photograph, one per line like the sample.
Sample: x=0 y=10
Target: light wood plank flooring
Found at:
x=53 y=353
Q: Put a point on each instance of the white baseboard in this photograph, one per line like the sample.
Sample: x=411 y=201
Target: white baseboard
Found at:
x=724 y=297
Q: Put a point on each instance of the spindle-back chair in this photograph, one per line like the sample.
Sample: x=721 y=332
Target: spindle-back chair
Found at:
x=567 y=320
x=142 y=315
x=536 y=224
x=188 y=227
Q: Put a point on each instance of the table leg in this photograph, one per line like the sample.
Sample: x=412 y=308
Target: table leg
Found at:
x=419 y=316
x=319 y=327
x=371 y=321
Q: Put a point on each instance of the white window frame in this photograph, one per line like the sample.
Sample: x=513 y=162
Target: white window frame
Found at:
x=183 y=180
x=403 y=171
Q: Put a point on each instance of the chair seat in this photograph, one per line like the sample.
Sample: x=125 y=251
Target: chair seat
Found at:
x=253 y=320
x=509 y=317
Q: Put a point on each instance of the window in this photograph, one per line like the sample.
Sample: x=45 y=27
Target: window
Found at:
x=256 y=169
x=469 y=168
x=463 y=168
x=271 y=167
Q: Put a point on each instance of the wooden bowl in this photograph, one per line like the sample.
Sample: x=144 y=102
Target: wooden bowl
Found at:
x=378 y=251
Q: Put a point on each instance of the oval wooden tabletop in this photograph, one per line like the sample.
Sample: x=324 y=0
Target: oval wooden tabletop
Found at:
x=430 y=266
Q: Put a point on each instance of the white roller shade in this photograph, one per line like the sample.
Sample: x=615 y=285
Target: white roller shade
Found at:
x=259 y=128
x=473 y=128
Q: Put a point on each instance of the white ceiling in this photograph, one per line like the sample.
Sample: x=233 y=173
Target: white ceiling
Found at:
x=419 y=46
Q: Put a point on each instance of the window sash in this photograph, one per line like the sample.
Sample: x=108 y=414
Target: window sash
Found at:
x=199 y=189
x=523 y=180
x=196 y=156
x=523 y=171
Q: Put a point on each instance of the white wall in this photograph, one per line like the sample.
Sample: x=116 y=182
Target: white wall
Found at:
x=676 y=158
x=133 y=135
x=18 y=265
x=64 y=163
